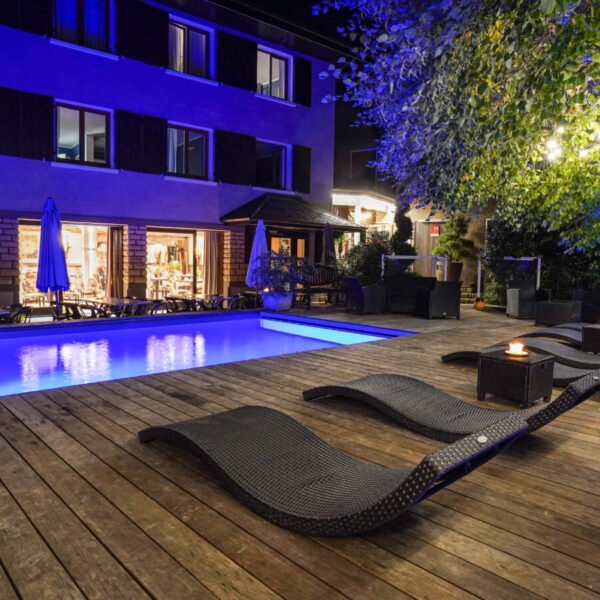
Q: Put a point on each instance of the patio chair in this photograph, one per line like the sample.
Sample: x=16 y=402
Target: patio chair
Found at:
x=369 y=299
x=433 y=413
x=22 y=315
x=290 y=476
x=441 y=301
x=11 y=310
x=520 y=300
x=554 y=313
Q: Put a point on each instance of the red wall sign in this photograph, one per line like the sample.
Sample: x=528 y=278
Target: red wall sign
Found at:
x=434 y=229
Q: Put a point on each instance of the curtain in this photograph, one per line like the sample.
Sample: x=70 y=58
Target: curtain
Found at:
x=212 y=252
x=95 y=18
x=114 y=278
x=176 y=48
x=172 y=147
x=66 y=20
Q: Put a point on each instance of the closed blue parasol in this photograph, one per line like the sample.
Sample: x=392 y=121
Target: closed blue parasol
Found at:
x=52 y=273
x=254 y=277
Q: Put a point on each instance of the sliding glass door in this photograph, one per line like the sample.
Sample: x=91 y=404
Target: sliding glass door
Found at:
x=87 y=251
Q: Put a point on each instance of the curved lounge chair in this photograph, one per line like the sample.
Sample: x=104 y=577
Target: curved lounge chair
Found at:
x=563 y=375
x=564 y=334
x=572 y=326
x=565 y=355
x=289 y=475
x=429 y=411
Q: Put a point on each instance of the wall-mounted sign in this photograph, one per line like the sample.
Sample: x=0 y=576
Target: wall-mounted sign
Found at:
x=434 y=229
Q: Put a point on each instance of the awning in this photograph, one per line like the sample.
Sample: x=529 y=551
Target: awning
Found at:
x=287 y=211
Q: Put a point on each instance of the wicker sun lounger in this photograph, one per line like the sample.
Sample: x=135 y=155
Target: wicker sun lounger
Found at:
x=565 y=355
x=572 y=326
x=288 y=475
x=429 y=411
x=564 y=334
x=563 y=375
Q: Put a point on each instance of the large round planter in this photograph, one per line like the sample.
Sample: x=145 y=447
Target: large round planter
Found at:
x=454 y=271
x=278 y=302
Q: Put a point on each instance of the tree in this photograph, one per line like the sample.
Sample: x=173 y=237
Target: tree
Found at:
x=452 y=241
x=483 y=101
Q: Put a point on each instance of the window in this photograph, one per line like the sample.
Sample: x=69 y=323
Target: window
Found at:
x=187 y=152
x=87 y=250
x=189 y=50
x=271 y=79
x=270 y=169
x=83 y=22
x=82 y=135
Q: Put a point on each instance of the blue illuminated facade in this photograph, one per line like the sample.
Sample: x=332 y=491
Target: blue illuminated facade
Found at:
x=147 y=122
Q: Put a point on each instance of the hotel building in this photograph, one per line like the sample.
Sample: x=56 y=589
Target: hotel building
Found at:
x=164 y=131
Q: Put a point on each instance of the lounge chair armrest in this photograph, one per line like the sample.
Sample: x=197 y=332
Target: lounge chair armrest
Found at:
x=461 y=457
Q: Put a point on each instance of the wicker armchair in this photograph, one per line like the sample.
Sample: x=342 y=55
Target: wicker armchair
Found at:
x=555 y=313
x=369 y=299
x=441 y=301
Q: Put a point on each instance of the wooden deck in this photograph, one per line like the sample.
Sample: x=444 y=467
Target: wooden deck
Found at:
x=87 y=511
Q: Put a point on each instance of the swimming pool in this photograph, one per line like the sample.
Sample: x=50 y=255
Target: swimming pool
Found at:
x=43 y=357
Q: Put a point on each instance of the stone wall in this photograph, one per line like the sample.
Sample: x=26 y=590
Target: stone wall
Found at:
x=134 y=261
x=9 y=261
x=234 y=257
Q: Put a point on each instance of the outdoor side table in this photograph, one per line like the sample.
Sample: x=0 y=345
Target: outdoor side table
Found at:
x=591 y=339
x=519 y=378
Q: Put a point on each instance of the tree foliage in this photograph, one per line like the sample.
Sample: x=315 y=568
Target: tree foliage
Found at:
x=483 y=101
x=453 y=242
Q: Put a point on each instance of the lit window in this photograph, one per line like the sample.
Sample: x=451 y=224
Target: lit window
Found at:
x=188 y=50
x=84 y=22
x=187 y=152
x=270 y=166
x=82 y=135
x=271 y=79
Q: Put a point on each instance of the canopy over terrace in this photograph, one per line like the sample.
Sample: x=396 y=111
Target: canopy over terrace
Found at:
x=287 y=215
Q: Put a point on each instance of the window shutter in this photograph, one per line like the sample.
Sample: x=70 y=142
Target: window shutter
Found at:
x=37 y=126
x=302 y=167
x=155 y=145
x=302 y=81
x=141 y=142
x=236 y=61
x=34 y=16
x=129 y=140
x=10 y=123
x=27 y=124
x=235 y=158
x=142 y=32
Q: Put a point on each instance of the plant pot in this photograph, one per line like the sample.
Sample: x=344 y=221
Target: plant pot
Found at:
x=276 y=301
x=454 y=271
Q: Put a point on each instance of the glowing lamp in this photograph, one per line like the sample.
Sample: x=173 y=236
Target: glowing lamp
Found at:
x=516 y=349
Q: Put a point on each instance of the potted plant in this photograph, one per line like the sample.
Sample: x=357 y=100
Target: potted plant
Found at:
x=453 y=244
x=364 y=264
x=280 y=274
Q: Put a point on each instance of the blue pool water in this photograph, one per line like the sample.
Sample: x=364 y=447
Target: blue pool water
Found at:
x=45 y=357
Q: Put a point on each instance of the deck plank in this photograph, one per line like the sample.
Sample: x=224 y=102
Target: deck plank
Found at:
x=150 y=520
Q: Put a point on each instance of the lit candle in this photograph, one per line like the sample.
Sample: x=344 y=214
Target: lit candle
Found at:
x=516 y=349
